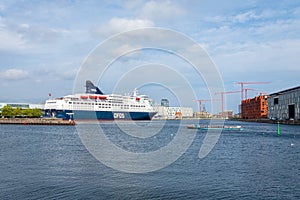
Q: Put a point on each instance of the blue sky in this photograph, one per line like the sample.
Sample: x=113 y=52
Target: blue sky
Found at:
x=44 y=43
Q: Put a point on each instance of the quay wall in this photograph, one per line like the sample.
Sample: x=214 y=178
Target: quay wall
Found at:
x=36 y=121
x=292 y=122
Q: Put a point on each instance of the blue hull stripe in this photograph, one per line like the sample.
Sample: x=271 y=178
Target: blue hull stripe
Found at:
x=102 y=115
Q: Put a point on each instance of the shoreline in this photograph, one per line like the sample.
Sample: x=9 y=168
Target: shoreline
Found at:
x=61 y=122
x=36 y=121
x=269 y=121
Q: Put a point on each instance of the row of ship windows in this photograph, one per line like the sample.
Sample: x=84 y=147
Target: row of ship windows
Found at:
x=103 y=104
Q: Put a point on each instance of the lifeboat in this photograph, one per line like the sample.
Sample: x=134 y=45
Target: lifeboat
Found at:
x=102 y=97
x=137 y=98
x=92 y=97
x=83 y=97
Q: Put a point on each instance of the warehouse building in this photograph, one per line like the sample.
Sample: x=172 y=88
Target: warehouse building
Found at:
x=285 y=105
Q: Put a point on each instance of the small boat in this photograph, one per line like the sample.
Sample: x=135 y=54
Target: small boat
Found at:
x=215 y=127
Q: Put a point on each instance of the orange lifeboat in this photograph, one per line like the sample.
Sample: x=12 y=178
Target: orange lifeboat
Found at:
x=83 y=97
x=102 y=97
x=92 y=97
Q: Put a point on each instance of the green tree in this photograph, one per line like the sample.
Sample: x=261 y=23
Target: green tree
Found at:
x=17 y=112
x=7 y=111
x=28 y=112
x=36 y=112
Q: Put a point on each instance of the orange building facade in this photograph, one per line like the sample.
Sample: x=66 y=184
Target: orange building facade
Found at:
x=255 y=108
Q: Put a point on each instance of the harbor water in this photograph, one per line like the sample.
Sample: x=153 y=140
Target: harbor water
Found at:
x=51 y=162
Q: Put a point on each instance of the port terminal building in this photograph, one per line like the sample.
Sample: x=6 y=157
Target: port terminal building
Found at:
x=164 y=111
x=174 y=112
x=285 y=104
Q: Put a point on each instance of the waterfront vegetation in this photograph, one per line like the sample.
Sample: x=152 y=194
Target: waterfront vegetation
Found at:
x=9 y=112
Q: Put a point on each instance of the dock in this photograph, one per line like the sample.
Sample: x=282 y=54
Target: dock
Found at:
x=37 y=121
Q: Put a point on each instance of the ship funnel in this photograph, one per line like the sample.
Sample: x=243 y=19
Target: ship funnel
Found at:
x=91 y=88
x=135 y=92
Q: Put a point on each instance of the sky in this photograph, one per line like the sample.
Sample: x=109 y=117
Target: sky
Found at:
x=44 y=45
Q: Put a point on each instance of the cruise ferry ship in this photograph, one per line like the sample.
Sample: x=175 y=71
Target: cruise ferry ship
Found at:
x=95 y=105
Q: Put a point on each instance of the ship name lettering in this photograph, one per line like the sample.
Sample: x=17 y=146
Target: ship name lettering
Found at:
x=119 y=115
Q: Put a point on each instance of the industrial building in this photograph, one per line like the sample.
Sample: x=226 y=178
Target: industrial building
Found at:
x=164 y=111
x=255 y=108
x=203 y=114
x=285 y=105
x=164 y=102
x=227 y=114
x=173 y=112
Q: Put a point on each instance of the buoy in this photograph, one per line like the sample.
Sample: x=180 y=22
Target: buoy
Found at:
x=278 y=128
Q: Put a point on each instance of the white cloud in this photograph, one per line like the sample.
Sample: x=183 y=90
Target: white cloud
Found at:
x=161 y=10
x=10 y=40
x=14 y=74
x=39 y=33
x=267 y=27
x=117 y=25
x=133 y=4
x=69 y=74
x=259 y=60
x=278 y=28
x=146 y=14
x=122 y=24
x=27 y=37
x=2 y=7
x=63 y=71
x=244 y=17
x=296 y=11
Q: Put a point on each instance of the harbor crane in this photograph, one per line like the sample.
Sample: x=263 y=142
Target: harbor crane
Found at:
x=246 y=92
x=222 y=98
x=263 y=93
x=245 y=83
x=204 y=100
